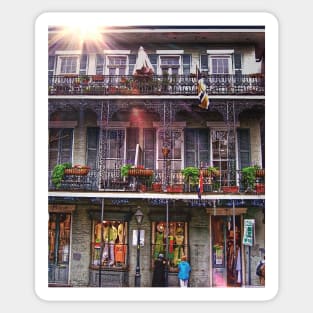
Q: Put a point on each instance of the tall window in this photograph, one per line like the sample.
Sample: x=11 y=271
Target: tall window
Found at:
x=220 y=154
x=197 y=152
x=173 y=138
x=175 y=246
x=109 y=243
x=59 y=228
x=60 y=146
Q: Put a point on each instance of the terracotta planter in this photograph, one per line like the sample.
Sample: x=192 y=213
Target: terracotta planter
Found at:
x=175 y=188
x=140 y=172
x=230 y=189
x=157 y=187
x=260 y=188
x=260 y=173
x=76 y=171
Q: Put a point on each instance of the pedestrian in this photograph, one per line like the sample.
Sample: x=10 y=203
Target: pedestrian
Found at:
x=184 y=270
x=260 y=271
x=158 y=278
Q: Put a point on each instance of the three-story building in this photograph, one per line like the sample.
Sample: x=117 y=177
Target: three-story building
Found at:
x=125 y=128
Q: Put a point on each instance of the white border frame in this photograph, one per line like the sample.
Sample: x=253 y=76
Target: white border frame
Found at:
x=41 y=156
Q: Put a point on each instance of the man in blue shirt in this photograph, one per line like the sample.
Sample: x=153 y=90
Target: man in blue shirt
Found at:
x=184 y=270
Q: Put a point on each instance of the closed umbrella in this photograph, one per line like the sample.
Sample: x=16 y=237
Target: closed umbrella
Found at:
x=143 y=66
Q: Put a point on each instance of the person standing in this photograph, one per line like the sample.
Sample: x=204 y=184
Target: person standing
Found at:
x=184 y=270
x=158 y=279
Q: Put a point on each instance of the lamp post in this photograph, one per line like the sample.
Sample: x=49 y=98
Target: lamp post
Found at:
x=139 y=218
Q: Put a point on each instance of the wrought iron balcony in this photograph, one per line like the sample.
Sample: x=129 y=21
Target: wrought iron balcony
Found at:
x=252 y=84
x=156 y=182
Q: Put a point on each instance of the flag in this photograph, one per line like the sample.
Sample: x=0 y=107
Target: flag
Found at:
x=200 y=184
x=201 y=88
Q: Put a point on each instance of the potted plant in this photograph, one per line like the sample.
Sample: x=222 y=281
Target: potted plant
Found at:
x=213 y=171
x=248 y=177
x=58 y=173
x=125 y=169
x=191 y=175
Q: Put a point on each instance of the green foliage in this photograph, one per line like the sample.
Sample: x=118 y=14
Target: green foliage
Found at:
x=124 y=169
x=58 y=173
x=248 y=176
x=213 y=171
x=191 y=174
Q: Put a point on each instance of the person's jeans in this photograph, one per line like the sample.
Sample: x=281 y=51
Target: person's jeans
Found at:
x=183 y=282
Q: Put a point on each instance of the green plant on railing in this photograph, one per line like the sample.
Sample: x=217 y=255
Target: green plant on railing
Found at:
x=58 y=173
x=248 y=177
x=213 y=171
x=125 y=168
x=191 y=174
x=84 y=78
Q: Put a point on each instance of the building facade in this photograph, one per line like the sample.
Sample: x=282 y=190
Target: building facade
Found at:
x=126 y=132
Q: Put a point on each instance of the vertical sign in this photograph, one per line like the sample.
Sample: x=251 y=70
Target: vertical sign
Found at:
x=248 y=232
x=141 y=237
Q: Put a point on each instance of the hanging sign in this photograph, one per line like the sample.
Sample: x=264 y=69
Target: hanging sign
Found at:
x=141 y=237
x=248 y=232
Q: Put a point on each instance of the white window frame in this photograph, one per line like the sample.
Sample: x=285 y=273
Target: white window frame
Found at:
x=170 y=67
x=108 y=66
x=59 y=64
x=221 y=56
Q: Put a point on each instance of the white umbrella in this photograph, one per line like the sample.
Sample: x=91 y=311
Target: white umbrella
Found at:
x=143 y=65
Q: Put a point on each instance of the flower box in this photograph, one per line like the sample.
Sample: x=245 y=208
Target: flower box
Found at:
x=175 y=188
x=140 y=172
x=230 y=189
x=77 y=170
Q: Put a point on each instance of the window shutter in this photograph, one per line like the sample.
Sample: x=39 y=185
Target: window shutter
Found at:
x=83 y=64
x=190 y=148
x=51 y=61
x=92 y=146
x=243 y=147
x=154 y=61
x=132 y=140
x=100 y=62
x=237 y=63
x=203 y=147
x=186 y=64
x=149 y=148
x=131 y=63
x=204 y=63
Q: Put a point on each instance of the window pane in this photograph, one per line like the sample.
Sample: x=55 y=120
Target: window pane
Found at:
x=111 y=236
x=59 y=228
x=68 y=65
x=177 y=242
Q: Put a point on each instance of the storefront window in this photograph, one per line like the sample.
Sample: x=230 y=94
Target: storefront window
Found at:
x=174 y=246
x=109 y=244
x=59 y=228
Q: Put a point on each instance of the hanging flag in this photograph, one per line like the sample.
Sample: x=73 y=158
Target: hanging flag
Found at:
x=201 y=89
x=200 y=184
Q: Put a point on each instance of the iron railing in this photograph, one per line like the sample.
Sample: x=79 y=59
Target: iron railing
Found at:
x=113 y=181
x=252 y=84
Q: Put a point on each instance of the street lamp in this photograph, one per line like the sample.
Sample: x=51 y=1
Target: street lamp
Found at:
x=139 y=218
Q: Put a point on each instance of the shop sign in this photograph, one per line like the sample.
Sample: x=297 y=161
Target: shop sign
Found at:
x=248 y=232
x=141 y=237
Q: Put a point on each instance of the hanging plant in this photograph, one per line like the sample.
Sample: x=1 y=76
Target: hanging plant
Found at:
x=125 y=169
x=58 y=173
x=191 y=174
